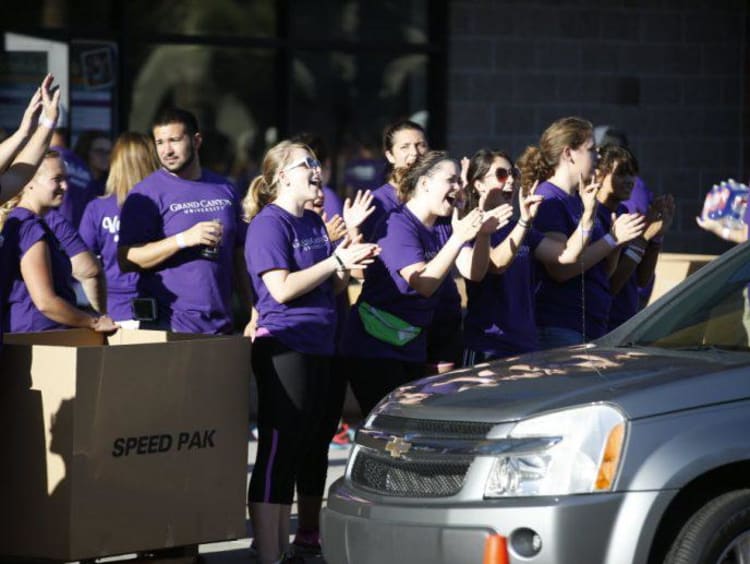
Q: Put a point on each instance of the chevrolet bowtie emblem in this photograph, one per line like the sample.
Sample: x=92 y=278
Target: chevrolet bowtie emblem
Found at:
x=397 y=447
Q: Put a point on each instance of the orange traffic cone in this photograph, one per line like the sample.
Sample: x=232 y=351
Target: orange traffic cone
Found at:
x=496 y=550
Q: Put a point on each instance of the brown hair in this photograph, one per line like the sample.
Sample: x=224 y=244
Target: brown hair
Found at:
x=133 y=159
x=479 y=166
x=11 y=204
x=264 y=188
x=615 y=158
x=395 y=175
x=539 y=163
x=423 y=166
x=86 y=140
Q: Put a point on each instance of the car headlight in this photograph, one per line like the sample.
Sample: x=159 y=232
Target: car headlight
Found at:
x=584 y=456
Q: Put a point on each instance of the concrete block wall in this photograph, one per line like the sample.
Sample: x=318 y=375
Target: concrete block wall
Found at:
x=671 y=73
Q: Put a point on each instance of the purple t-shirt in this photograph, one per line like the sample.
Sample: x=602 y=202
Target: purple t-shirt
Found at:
x=625 y=303
x=561 y=304
x=21 y=231
x=385 y=200
x=193 y=293
x=277 y=239
x=332 y=204
x=448 y=311
x=405 y=241
x=99 y=229
x=500 y=309
x=80 y=187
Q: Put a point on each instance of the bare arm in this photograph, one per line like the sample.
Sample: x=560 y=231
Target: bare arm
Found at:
x=26 y=162
x=37 y=275
x=625 y=228
x=285 y=286
x=426 y=278
x=150 y=255
x=87 y=270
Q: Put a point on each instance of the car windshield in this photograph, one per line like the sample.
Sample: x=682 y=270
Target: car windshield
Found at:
x=710 y=310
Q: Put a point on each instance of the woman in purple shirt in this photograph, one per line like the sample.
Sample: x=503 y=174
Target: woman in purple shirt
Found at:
x=572 y=300
x=385 y=340
x=295 y=274
x=36 y=269
x=499 y=319
x=133 y=159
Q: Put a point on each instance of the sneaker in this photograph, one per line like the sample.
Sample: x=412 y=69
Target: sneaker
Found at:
x=254 y=432
x=344 y=437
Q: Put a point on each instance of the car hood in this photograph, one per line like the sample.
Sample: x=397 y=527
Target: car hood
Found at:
x=642 y=381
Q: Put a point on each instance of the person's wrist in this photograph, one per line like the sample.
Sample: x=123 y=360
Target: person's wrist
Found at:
x=47 y=122
x=610 y=239
x=180 y=240
x=340 y=267
x=725 y=233
x=524 y=222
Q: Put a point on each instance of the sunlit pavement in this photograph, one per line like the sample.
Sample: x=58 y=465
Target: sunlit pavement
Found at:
x=238 y=551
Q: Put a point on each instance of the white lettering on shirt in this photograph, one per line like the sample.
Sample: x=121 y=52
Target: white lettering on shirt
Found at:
x=201 y=206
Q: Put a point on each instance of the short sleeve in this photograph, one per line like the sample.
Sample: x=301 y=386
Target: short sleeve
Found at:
x=400 y=246
x=66 y=234
x=552 y=216
x=268 y=245
x=533 y=238
x=29 y=233
x=140 y=220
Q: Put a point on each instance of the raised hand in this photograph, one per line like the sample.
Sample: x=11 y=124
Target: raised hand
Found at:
x=529 y=205
x=50 y=101
x=465 y=170
x=336 y=227
x=357 y=211
x=355 y=255
x=660 y=216
x=502 y=213
x=587 y=193
x=31 y=114
x=627 y=227
x=467 y=228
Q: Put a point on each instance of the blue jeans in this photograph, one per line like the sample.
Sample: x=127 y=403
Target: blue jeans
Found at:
x=553 y=337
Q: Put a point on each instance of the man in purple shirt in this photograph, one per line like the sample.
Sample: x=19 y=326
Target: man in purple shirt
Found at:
x=181 y=227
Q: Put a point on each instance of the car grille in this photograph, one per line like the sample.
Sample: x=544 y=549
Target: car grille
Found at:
x=433 y=428
x=408 y=478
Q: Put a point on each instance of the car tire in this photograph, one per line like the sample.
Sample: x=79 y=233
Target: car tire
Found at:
x=712 y=530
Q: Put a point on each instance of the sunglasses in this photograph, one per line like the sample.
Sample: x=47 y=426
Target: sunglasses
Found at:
x=502 y=174
x=309 y=162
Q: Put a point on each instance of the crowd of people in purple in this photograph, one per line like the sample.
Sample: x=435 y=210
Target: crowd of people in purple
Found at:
x=554 y=249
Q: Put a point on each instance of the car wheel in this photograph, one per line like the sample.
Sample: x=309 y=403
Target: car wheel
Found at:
x=719 y=533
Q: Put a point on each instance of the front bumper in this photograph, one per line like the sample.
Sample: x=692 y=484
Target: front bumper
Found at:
x=578 y=529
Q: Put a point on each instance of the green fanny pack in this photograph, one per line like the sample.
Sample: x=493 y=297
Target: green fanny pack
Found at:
x=387 y=327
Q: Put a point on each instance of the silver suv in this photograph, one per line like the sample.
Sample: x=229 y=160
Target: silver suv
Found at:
x=631 y=449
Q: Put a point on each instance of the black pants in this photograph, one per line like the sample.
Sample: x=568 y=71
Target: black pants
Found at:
x=374 y=378
x=293 y=400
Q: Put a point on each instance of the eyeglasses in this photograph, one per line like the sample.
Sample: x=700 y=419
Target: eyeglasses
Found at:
x=502 y=174
x=309 y=162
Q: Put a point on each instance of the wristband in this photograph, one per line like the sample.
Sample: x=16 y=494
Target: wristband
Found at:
x=585 y=232
x=180 y=240
x=632 y=255
x=610 y=240
x=44 y=121
x=725 y=233
x=340 y=267
x=523 y=223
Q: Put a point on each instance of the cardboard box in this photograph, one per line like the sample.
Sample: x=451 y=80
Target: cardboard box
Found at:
x=673 y=268
x=110 y=449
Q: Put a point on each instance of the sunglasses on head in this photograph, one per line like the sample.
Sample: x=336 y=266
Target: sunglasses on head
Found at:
x=502 y=174
x=309 y=162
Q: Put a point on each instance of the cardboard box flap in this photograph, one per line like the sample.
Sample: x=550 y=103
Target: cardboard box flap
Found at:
x=60 y=338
